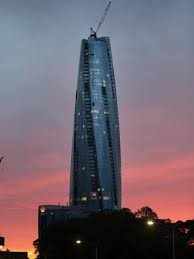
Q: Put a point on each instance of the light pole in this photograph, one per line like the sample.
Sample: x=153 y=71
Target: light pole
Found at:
x=174 y=225
x=96 y=252
x=173 y=242
x=79 y=242
x=151 y=223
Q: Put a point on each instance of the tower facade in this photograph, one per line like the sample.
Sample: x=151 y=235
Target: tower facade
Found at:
x=95 y=181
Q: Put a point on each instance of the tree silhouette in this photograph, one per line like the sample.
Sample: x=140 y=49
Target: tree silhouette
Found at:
x=146 y=213
x=116 y=235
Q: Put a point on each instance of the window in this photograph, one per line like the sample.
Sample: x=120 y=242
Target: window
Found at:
x=94 y=111
x=106 y=198
x=84 y=198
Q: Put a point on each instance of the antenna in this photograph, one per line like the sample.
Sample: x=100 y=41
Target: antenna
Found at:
x=94 y=33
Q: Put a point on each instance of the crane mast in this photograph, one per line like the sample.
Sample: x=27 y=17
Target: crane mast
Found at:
x=93 y=33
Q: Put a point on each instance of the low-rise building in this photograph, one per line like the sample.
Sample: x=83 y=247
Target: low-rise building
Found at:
x=49 y=214
x=13 y=255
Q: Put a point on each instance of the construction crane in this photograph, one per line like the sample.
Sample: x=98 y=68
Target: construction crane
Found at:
x=93 y=33
x=1 y=158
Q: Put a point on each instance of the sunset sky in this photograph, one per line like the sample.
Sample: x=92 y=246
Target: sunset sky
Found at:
x=153 y=53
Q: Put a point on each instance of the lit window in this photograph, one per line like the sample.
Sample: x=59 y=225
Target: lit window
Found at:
x=42 y=209
x=106 y=198
x=84 y=198
x=96 y=61
x=94 y=111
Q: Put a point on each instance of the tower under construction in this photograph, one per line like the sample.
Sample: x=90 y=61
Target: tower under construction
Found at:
x=96 y=161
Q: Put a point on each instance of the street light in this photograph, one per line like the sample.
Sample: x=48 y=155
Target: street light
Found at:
x=78 y=242
x=150 y=222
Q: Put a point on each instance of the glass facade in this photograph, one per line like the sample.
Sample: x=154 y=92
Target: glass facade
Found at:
x=95 y=181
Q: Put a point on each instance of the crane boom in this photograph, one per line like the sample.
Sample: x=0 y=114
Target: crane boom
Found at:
x=103 y=17
x=93 y=33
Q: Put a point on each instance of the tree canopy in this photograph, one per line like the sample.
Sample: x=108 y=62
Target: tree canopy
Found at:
x=117 y=235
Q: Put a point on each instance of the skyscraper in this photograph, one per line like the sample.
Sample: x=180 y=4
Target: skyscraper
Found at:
x=95 y=181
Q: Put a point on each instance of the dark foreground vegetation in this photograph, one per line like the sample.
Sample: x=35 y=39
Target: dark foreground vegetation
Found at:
x=117 y=235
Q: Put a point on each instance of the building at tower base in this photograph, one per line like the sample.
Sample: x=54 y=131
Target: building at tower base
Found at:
x=50 y=214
